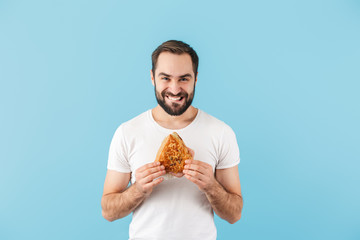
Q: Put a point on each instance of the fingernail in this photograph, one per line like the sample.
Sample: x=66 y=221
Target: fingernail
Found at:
x=187 y=161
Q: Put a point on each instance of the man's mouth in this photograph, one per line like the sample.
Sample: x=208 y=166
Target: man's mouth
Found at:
x=175 y=99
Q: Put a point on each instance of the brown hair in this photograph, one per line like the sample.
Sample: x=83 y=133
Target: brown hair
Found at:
x=176 y=47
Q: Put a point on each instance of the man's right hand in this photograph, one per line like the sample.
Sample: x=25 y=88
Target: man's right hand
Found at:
x=145 y=176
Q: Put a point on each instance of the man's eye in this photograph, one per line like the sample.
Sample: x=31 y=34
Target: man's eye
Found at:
x=183 y=79
x=165 y=78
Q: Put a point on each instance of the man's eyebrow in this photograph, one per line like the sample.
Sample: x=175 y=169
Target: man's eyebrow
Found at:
x=168 y=75
x=164 y=74
x=186 y=75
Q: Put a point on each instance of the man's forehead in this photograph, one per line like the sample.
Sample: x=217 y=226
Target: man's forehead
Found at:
x=174 y=64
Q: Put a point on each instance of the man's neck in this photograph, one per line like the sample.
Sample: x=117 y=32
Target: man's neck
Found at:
x=174 y=122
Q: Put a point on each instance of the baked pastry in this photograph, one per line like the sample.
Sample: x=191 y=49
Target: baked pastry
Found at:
x=173 y=153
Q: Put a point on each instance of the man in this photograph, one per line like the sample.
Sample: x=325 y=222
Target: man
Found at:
x=180 y=207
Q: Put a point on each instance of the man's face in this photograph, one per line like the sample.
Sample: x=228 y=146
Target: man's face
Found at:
x=174 y=82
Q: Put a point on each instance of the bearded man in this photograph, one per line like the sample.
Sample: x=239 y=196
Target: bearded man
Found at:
x=181 y=207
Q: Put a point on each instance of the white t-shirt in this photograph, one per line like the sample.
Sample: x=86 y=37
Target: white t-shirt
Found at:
x=176 y=208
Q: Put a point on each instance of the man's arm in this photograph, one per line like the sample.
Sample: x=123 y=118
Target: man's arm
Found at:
x=222 y=190
x=226 y=198
x=118 y=201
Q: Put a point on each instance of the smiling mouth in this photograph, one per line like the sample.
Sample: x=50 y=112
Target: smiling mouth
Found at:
x=175 y=98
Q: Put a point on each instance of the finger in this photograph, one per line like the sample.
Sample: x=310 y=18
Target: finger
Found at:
x=152 y=170
x=194 y=174
x=149 y=165
x=179 y=175
x=152 y=184
x=195 y=167
x=148 y=171
x=151 y=177
x=194 y=180
x=199 y=166
x=189 y=161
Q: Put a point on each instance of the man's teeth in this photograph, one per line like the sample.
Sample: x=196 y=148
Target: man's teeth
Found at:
x=174 y=99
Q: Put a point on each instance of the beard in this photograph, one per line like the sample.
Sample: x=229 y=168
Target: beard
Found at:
x=174 y=109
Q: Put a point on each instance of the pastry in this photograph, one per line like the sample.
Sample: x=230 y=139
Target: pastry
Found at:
x=173 y=153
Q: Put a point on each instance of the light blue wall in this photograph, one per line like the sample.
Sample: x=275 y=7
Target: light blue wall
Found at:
x=283 y=74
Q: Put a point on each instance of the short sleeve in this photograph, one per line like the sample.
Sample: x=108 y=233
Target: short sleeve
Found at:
x=118 y=159
x=229 y=154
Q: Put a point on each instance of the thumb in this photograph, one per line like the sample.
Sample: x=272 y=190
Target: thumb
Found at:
x=191 y=152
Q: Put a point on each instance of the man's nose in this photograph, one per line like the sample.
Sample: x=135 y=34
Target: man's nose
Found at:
x=174 y=87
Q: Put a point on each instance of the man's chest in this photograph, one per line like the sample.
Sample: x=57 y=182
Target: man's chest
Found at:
x=143 y=150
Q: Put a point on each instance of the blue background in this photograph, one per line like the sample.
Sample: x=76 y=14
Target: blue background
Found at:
x=283 y=74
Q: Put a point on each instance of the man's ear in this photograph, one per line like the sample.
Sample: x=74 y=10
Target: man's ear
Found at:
x=152 y=77
x=196 y=77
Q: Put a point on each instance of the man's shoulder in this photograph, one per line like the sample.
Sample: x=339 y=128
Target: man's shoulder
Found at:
x=139 y=119
x=209 y=119
x=217 y=126
x=136 y=123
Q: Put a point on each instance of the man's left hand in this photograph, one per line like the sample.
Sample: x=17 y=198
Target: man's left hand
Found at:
x=200 y=173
